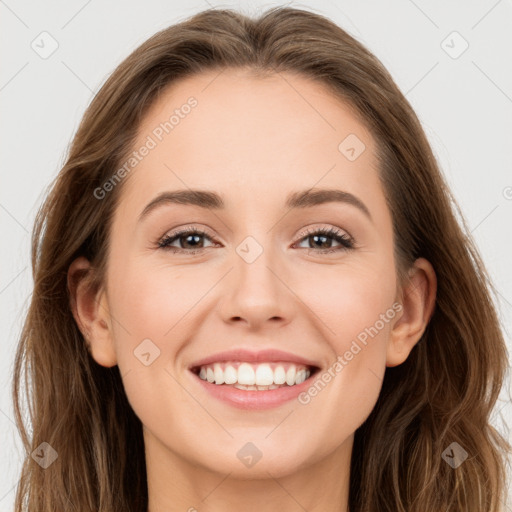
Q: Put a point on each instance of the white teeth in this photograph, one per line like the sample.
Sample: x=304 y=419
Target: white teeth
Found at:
x=246 y=375
x=241 y=386
x=218 y=373
x=290 y=376
x=300 y=377
x=279 y=375
x=230 y=375
x=254 y=376
x=256 y=388
x=264 y=375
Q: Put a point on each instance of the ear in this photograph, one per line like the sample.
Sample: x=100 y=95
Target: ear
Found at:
x=90 y=309
x=418 y=299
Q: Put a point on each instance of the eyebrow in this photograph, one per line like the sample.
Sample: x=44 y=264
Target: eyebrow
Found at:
x=211 y=200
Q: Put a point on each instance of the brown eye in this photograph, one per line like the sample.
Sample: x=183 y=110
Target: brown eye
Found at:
x=322 y=239
x=188 y=239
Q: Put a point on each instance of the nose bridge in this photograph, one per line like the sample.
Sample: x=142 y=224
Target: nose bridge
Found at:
x=253 y=265
x=255 y=293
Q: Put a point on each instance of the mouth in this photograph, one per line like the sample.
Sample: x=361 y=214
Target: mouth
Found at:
x=254 y=386
x=249 y=376
x=251 y=380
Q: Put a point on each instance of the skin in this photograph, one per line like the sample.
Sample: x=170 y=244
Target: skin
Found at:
x=254 y=153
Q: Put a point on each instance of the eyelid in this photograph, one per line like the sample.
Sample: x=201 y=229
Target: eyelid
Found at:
x=192 y=228
x=331 y=229
x=305 y=232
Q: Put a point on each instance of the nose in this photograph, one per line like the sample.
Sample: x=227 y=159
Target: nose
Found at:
x=255 y=293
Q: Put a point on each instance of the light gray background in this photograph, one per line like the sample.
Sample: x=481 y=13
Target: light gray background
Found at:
x=464 y=104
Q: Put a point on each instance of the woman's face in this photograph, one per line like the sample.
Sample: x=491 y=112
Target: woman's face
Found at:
x=261 y=279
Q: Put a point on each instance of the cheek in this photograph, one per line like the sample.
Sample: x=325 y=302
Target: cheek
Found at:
x=153 y=301
x=350 y=298
x=150 y=310
x=343 y=395
x=357 y=313
x=360 y=306
x=151 y=319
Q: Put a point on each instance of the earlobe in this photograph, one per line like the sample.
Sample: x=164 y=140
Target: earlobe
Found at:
x=418 y=300
x=91 y=313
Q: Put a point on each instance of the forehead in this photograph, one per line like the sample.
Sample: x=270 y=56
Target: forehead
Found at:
x=233 y=130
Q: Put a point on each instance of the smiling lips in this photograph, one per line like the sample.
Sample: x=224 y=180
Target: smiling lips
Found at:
x=254 y=380
x=259 y=376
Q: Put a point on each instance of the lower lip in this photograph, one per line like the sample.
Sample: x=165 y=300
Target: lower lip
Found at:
x=252 y=399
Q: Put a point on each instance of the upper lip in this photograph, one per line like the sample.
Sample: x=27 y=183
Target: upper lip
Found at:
x=261 y=356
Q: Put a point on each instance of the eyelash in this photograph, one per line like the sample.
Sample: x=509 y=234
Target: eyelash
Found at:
x=345 y=240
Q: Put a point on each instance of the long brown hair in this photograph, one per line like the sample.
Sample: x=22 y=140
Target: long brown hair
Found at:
x=443 y=393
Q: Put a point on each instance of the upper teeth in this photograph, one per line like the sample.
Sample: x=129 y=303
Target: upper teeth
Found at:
x=264 y=374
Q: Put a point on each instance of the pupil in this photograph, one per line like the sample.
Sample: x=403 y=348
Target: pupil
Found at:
x=323 y=237
x=192 y=236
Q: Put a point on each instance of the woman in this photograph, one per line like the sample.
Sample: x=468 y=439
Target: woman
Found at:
x=251 y=291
